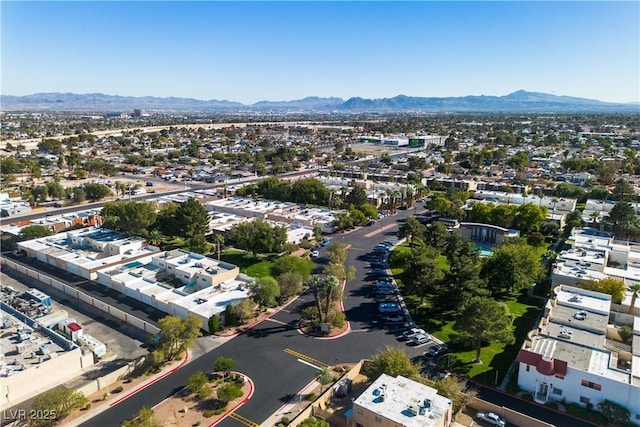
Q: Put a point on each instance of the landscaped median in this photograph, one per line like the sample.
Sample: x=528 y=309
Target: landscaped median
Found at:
x=205 y=402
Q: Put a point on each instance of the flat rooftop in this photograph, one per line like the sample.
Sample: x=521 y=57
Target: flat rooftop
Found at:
x=397 y=399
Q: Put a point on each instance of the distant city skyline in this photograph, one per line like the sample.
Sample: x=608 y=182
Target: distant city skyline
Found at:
x=279 y=51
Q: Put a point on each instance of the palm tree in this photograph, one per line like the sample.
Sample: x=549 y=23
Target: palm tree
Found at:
x=554 y=201
x=595 y=215
x=218 y=239
x=155 y=238
x=635 y=293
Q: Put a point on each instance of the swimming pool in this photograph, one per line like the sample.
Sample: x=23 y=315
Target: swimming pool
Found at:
x=485 y=249
x=132 y=264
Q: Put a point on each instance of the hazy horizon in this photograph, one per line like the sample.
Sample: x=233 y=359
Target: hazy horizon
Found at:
x=280 y=51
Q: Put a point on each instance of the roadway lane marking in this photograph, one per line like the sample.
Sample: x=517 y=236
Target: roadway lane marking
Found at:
x=280 y=322
x=316 y=367
x=243 y=420
x=380 y=230
x=304 y=358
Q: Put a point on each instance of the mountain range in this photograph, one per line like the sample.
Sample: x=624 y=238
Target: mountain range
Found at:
x=520 y=101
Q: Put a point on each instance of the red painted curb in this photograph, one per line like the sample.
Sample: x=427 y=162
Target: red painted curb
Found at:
x=154 y=380
x=239 y=404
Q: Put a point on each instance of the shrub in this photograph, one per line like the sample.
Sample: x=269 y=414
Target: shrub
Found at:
x=552 y=405
x=311 y=397
x=528 y=397
x=285 y=421
x=214 y=324
x=117 y=389
x=230 y=316
x=220 y=410
x=613 y=412
x=208 y=413
x=228 y=392
x=87 y=406
x=336 y=319
x=626 y=333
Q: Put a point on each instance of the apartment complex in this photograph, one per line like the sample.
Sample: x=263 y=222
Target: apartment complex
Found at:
x=176 y=282
x=576 y=354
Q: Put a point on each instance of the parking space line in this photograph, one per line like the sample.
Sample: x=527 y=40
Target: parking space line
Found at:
x=243 y=420
x=304 y=358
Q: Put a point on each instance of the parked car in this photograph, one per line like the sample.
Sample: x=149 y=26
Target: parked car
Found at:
x=581 y=315
x=437 y=350
x=407 y=335
x=420 y=339
x=385 y=291
x=314 y=254
x=565 y=333
x=491 y=418
x=389 y=307
x=398 y=318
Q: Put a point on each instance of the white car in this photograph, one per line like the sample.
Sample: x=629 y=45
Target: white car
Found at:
x=408 y=335
x=491 y=418
x=581 y=315
x=566 y=334
x=314 y=254
x=420 y=339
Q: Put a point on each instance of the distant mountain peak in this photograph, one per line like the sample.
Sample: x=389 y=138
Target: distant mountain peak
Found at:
x=519 y=101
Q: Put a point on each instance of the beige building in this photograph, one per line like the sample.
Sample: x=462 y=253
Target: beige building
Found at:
x=399 y=402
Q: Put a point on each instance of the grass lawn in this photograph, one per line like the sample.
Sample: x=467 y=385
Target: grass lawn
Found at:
x=496 y=358
x=254 y=267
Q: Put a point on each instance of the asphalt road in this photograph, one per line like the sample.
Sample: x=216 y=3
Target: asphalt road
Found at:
x=260 y=353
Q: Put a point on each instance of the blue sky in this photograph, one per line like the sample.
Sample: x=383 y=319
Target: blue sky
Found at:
x=252 y=51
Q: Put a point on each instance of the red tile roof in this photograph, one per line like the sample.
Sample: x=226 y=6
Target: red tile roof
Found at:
x=545 y=367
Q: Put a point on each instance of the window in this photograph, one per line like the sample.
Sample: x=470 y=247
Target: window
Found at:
x=528 y=367
x=360 y=411
x=584 y=400
x=589 y=384
x=378 y=419
x=557 y=391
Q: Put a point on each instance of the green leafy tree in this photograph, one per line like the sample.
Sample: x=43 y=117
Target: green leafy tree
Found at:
x=129 y=216
x=214 y=322
x=512 y=268
x=529 y=217
x=55 y=190
x=197 y=382
x=392 y=361
x=436 y=235
x=292 y=264
x=192 y=218
x=40 y=193
x=33 y=232
x=324 y=377
x=78 y=194
x=623 y=191
x=291 y=283
x=369 y=210
x=609 y=285
x=484 y=319
x=224 y=364
x=177 y=335
x=357 y=197
x=258 y=237
x=166 y=220
x=59 y=403
x=96 y=191
x=198 y=244
x=412 y=228
x=144 y=418
x=424 y=275
x=455 y=390
x=265 y=291
x=574 y=219
x=622 y=219
x=337 y=252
